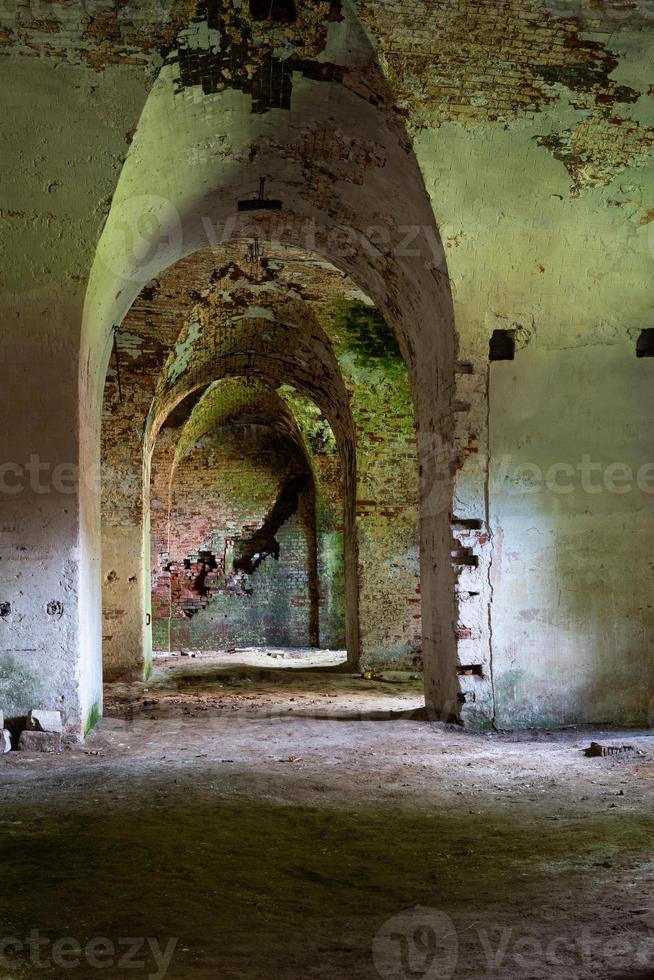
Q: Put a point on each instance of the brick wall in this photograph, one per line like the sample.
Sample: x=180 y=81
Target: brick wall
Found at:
x=222 y=491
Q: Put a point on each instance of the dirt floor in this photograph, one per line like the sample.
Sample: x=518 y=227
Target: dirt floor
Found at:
x=227 y=821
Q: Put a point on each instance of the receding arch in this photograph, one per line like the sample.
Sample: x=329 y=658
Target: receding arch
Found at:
x=214 y=584
x=240 y=354
x=376 y=185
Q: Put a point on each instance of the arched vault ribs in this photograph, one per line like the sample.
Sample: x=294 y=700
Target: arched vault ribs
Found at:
x=339 y=372
x=239 y=329
x=336 y=190
x=237 y=489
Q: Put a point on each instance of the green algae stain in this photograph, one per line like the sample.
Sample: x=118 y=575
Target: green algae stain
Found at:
x=19 y=689
x=313 y=425
x=366 y=335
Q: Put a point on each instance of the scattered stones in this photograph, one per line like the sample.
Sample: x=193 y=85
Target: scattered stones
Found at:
x=31 y=741
x=39 y=720
x=5 y=740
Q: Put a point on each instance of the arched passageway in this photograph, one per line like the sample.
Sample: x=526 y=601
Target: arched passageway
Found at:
x=325 y=359
x=331 y=212
x=223 y=127
x=236 y=537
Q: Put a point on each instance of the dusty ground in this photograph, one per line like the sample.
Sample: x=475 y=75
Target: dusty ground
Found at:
x=272 y=823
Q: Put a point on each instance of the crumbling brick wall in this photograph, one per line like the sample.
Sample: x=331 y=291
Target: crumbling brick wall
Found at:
x=221 y=493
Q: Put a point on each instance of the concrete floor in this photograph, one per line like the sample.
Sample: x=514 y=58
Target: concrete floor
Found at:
x=236 y=822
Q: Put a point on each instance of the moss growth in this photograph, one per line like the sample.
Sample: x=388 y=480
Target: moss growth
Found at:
x=313 y=425
x=92 y=718
x=368 y=337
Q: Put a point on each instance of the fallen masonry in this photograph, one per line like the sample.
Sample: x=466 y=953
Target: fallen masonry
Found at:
x=30 y=741
x=597 y=750
x=40 y=730
x=39 y=720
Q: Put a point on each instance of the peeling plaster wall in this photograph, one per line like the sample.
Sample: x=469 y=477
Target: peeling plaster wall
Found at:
x=57 y=178
x=39 y=554
x=125 y=649
x=567 y=271
x=277 y=613
x=572 y=613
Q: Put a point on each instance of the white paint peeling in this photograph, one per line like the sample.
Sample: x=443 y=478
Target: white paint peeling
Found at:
x=184 y=353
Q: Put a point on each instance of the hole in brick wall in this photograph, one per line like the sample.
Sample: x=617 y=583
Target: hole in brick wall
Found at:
x=199 y=586
x=209 y=559
x=466 y=697
x=470 y=670
x=278 y=11
x=502 y=345
x=469 y=523
x=208 y=563
x=464 y=556
x=5 y=610
x=251 y=551
x=645 y=345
